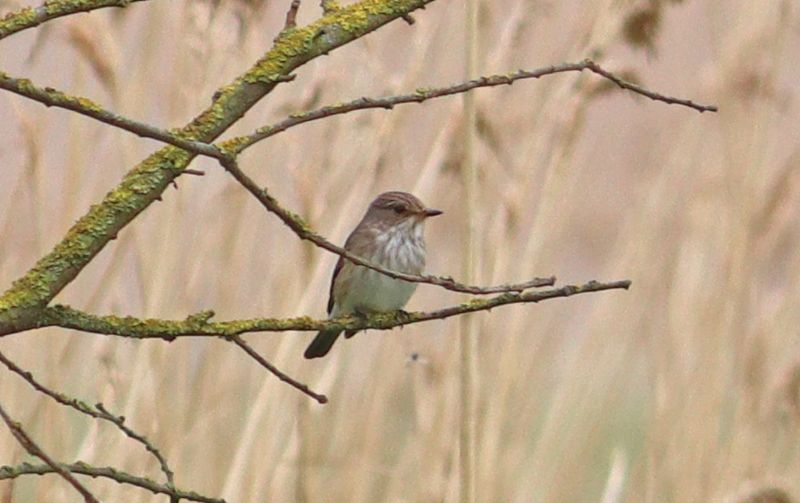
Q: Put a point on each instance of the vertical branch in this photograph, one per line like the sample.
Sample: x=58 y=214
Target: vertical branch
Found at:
x=467 y=340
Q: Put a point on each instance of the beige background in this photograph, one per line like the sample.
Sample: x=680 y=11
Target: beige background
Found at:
x=686 y=388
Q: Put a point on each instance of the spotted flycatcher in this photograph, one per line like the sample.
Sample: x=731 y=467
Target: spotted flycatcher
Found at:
x=390 y=235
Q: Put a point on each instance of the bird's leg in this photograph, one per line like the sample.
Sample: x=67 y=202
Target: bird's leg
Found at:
x=361 y=315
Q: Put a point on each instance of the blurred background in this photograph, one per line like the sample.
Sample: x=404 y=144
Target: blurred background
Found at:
x=685 y=388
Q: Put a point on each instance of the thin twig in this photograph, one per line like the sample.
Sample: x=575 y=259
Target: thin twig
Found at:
x=30 y=17
x=53 y=98
x=97 y=412
x=630 y=86
x=238 y=144
x=291 y=15
x=12 y=472
x=303 y=231
x=277 y=372
x=33 y=449
x=199 y=325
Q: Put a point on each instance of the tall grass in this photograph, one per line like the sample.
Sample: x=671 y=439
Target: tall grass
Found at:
x=685 y=388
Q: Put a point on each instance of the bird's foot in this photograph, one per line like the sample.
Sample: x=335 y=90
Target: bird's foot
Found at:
x=402 y=316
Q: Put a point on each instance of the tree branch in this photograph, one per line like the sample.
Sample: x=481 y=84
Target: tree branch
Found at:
x=21 y=304
x=84 y=106
x=304 y=231
x=199 y=325
x=79 y=468
x=240 y=143
x=54 y=98
x=30 y=17
x=34 y=450
x=630 y=86
x=97 y=412
x=275 y=370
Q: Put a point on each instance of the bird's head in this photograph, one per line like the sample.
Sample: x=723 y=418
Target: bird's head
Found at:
x=399 y=209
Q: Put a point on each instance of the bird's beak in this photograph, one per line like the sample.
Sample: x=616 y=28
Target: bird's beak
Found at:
x=430 y=212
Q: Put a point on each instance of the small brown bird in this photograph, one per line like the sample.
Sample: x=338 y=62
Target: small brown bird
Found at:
x=390 y=235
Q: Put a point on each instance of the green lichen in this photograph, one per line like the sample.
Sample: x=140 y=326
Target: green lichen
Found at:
x=145 y=183
x=55 y=8
x=17 y=21
x=234 y=145
x=86 y=104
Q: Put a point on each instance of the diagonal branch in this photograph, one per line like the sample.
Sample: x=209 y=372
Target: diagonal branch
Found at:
x=21 y=304
x=304 y=231
x=30 y=17
x=97 y=412
x=34 y=450
x=12 y=472
x=200 y=324
x=276 y=371
x=630 y=86
x=240 y=143
x=54 y=98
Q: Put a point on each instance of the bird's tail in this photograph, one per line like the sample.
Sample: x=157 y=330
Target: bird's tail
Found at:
x=322 y=343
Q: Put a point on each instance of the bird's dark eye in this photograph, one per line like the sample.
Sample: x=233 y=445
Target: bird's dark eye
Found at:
x=399 y=209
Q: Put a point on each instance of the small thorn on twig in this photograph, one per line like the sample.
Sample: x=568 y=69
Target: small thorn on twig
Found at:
x=291 y=15
x=195 y=172
x=408 y=19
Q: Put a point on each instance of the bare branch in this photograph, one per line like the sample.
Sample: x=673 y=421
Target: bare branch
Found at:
x=277 y=372
x=199 y=325
x=303 y=231
x=97 y=412
x=84 y=106
x=33 y=449
x=630 y=86
x=30 y=17
x=238 y=144
x=12 y=472
x=53 y=98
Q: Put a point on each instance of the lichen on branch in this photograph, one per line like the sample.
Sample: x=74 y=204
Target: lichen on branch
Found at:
x=145 y=183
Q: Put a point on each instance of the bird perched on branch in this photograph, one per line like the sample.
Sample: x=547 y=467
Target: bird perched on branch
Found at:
x=389 y=235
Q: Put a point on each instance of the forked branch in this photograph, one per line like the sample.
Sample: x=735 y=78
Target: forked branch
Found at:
x=97 y=412
x=303 y=230
x=240 y=143
x=33 y=449
x=119 y=476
